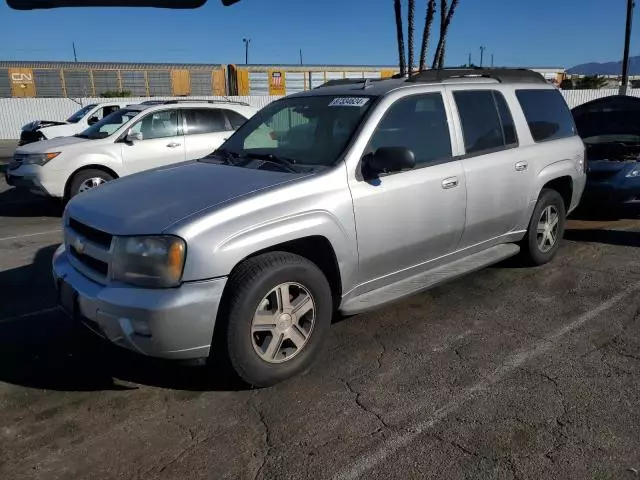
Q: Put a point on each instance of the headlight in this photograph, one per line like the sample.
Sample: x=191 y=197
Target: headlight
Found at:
x=38 y=158
x=635 y=172
x=153 y=261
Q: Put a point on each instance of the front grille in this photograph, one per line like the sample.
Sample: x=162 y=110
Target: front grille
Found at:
x=29 y=136
x=96 y=236
x=89 y=250
x=599 y=175
x=94 y=264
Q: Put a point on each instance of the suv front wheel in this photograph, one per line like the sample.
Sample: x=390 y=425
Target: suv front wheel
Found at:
x=546 y=229
x=278 y=308
x=86 y=180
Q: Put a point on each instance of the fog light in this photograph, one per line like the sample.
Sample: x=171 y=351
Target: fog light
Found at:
x=141 y=328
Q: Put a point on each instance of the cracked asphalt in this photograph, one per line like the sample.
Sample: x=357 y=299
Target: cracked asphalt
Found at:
x=510 y=373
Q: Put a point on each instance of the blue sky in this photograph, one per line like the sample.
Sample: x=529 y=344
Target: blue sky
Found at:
x=519 y=33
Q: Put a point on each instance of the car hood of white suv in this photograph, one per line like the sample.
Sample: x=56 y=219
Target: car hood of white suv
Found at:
x=149 y=202
x=50 y=145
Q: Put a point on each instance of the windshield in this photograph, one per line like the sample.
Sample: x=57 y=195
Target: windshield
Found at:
x=311 y=131
x=76 y=117
x=109 y=124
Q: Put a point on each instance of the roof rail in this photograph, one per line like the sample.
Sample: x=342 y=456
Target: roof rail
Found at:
x=232 y=102
x=347 y=81
x=503 y=75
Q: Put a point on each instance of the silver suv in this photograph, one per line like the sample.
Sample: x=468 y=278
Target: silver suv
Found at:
x=340 y=199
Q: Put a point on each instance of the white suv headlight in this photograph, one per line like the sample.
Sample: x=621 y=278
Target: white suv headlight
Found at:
x=635 y=172
x=149 y=261
x=38 y=158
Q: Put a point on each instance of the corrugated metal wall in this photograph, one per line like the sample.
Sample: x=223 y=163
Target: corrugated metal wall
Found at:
x=17 y=112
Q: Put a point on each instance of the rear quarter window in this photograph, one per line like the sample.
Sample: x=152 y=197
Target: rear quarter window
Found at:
x=547 y=114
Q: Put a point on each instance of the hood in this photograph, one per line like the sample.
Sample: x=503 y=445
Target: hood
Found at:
x=46 y=145
x=151 y=201
x=38 y=124
x=613 y=115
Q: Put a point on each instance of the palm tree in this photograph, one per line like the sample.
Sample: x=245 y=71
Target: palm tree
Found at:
x=400 y=33
x=426 y=34
x=412 y=28
x=445 y=16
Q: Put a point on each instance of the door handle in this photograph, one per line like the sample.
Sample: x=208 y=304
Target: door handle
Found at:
x=450 y=182
x=173 y=145
x=521 y=166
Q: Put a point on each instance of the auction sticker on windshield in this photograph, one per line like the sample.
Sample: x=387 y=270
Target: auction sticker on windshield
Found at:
x=349 y=102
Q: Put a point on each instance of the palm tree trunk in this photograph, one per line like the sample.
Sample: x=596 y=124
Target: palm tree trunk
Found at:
x=400 y=34
x=446 y=16
x=426 y=34
x=412 y=27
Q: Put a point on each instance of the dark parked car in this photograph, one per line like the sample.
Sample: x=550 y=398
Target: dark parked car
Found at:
x=610 y=129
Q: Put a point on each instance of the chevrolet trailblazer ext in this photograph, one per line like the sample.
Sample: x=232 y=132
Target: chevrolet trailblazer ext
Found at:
x=346 y=197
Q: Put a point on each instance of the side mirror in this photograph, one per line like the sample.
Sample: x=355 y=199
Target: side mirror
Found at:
x=93 y=120
x=389 y=160
x=133 y=137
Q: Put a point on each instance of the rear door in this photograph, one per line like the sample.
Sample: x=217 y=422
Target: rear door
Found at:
x=162 y=142
x=205 y=130
x=497 y=173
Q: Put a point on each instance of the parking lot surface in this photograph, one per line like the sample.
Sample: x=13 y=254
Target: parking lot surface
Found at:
x=509 y=373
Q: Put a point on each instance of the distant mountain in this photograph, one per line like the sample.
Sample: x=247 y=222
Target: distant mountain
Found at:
x=608 y=68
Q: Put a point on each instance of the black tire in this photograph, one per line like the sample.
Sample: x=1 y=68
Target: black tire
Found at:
x=531 y=253
x=248 y=285
x=83 y=175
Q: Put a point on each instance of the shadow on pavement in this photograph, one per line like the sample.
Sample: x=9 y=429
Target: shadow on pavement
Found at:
x=49 y=350
x=611 y=237
x=17 y=203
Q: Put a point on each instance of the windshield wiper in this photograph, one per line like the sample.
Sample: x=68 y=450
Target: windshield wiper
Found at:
x=283 y=162
x=229 y=157
x=82 y=135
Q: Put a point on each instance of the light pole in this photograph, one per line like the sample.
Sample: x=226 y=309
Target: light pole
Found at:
x=246 y=41
x=624 y=85
x=482 y=49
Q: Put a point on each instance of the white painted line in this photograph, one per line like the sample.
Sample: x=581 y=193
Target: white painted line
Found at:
x=402 y=440
x=30 y=314
x=17 y=237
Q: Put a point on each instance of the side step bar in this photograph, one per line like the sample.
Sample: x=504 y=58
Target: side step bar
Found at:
x=423 y=281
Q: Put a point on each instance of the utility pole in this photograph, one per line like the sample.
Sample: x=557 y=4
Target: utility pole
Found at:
x=469 y=62
x=246 y=41
x=482 y=49
x=75 y=55
x=492 y=60
x=300 y=56
x=624 y=85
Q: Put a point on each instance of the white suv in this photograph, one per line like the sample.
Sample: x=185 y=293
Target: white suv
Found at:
x=39 y=130
x=130 y=140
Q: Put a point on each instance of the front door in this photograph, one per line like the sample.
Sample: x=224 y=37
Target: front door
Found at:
x=497 y=172
x=162 y=142
x=407 y=218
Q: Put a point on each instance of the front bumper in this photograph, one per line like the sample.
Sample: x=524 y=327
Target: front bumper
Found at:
x=607 y=194
x=174 y=323
x=48 y=183
x=26 y=182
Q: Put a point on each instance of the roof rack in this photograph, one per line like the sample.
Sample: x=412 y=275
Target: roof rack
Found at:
x=502 y=75
x=347 y=81
x=232 y=102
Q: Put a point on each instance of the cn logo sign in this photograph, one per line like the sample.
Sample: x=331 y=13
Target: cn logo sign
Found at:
x=22 y=78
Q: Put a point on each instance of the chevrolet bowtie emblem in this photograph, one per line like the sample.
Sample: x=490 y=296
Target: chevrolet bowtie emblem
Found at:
x=78 y=245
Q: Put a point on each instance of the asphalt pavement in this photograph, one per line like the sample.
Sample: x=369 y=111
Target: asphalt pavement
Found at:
x=509 y=373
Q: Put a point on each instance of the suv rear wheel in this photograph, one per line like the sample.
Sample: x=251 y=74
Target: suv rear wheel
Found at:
x=279 y=308
x=546 y=228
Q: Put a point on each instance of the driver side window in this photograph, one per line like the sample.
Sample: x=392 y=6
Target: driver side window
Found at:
x=419 y=123
x=162 y=124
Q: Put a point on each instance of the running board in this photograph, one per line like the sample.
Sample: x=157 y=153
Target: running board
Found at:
x=429 y=279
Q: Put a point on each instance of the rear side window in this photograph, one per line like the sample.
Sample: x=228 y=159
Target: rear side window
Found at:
x=204 y=120
x=235 y=119
x=487 y=124
x=547 y=114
